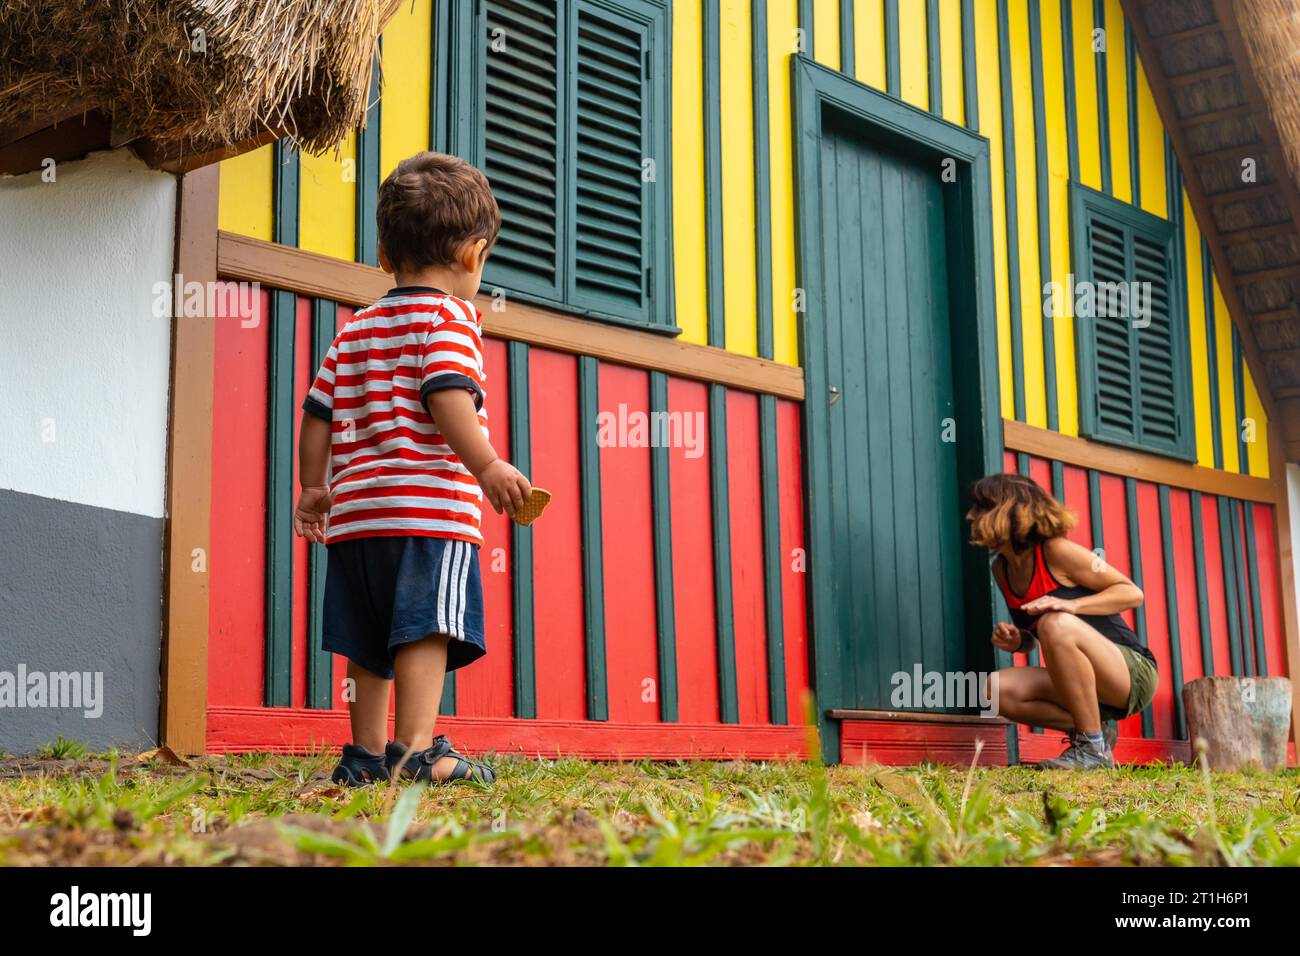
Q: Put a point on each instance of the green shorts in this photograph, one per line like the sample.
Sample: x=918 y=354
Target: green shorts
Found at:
x=1142 y=676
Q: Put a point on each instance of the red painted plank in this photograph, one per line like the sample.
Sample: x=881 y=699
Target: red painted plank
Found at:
x=744 y=481
x=1076 y=499
x=1009 y=461
x=1266 y=551
x=1040 y=469
x=1213 y=558
x=697 y=660
x=285 y=730
x=340 y=669
x=557 y=537
x=1114 y=519
x=631 y=649
x=304 y=374
x=1189 y=621
x=794 y=561
x=1156 y=606
x=1131 y=749
x=899 y=742
x=236 y=564
x=486 y=687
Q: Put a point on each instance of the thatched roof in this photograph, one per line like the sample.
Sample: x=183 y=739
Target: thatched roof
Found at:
x=1225 y=74
x=191 y=76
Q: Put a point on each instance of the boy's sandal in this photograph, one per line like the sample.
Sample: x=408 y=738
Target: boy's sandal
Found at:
x=419 y=765
x=359 y=767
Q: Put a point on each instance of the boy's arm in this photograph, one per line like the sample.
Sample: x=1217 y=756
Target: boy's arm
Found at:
x=454 y=413
x=313 y=463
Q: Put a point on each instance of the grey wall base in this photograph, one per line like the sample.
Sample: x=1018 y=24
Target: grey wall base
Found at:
x=80 y=590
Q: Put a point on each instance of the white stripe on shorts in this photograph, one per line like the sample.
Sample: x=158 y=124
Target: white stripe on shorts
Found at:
x=442 y=590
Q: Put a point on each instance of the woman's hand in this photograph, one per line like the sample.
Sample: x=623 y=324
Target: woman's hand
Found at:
x=1049 y=603
x=1006 y=637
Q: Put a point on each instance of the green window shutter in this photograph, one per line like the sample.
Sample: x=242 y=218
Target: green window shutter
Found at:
x=523 y=133
x=1133 y=369
x=608 y=143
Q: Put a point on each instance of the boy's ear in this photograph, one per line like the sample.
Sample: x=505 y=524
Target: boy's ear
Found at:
x=473 y=255
x=383 y=260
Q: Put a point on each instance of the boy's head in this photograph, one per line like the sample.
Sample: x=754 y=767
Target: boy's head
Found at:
x=437 y=212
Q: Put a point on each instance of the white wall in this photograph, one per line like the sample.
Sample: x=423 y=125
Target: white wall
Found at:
x=82 y=359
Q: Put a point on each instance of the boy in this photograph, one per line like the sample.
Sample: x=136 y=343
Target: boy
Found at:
x=396 y=412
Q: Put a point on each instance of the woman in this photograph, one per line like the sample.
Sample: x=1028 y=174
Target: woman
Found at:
x=1067 y=599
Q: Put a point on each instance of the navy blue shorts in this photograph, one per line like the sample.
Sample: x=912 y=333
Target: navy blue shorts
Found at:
x=383 y=592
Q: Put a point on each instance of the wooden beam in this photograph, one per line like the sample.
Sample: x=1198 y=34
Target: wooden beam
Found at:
x=187 y=556
x=1289 y=271
x=918 y=717
x=180 y=160
x=69 y=140
x=1199 y=76
x=1277 y=230
x=351 y=283
x=1285 y=565
x=1144 y=466
x=1197 y=198
x=1204 y=29
x=1242 y=150
x=1243 y=194
x=1239 y=111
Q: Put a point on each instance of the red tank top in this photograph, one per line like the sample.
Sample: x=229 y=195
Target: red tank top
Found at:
x=1041 y=582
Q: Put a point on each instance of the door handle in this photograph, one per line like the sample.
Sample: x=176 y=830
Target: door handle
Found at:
x=835 y=395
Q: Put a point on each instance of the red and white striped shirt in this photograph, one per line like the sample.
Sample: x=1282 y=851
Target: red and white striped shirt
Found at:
x=390 y=471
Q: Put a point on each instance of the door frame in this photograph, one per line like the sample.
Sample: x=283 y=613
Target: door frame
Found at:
x=819 y=93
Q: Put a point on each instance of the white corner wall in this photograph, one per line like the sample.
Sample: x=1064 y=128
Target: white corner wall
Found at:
x=84 y=362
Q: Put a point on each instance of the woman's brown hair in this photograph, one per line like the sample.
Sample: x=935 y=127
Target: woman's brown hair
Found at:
x=1014 y=510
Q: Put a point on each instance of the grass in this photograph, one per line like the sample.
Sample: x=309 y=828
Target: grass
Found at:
x=261 y=809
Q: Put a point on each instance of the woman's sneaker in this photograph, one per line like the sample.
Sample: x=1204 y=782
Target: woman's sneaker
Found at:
x=1080 y=755
x=359 y=767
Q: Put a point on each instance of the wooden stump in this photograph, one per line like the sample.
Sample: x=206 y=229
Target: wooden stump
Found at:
x=1243 y=720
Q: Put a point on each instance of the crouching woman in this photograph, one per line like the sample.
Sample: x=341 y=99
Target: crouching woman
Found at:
x=1068 y=601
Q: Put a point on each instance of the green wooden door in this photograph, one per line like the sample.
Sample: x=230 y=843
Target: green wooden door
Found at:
x=890 y=429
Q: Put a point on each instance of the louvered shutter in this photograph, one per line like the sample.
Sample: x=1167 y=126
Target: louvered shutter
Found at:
x=1133 y=370
x=609 y=140
x=522 y=142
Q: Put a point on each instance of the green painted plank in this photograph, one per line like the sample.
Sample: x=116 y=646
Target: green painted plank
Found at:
x=893 y=66
x=969 y=66
x=1134 y=137
x=807 y=20
x=1243 y=607
x=772 y=565
x=723 y=606
x=320 y=663
x=1135 y=572
x=1202 y=589
x=1103 y=94
x=762 y=183
x=1239 y=403
x=1097 y=525
x=1171 y=611
x=369 y=176
x=521 y=538
x=1009 y=191
x=714 y=268
x=665 y=602
x=593 y=561
x=285 y=194
x=848 y=60
x=1071 y=98
x=279 y=502
x=1043 y=199
x=1227 y=545
x=1212 y=351
x=933 y=56
x=1256 y=605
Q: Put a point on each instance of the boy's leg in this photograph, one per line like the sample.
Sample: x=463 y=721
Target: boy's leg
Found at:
x=369 y=711
x=421 y=671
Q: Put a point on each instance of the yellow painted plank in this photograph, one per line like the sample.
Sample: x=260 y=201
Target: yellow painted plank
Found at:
x=869 y=42
x=740 y=272
x=404 y=108
x=327 y=201
x=951 y=81
x=1257 y=450
x=1058 y=202
x=826 y=32
x=782 y=23
x=1227 y=378
x=1085 y=93
x=689 y=251
x=245 y=205
x=913 y=52
x=1151 y=149
x=990 y=112
x=1117 y=98
x=1196 y=328
x=1031 y=291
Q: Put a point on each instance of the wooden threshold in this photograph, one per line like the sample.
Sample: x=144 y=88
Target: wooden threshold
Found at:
x=1144 y=466
x=354 y=284
x=846 y=713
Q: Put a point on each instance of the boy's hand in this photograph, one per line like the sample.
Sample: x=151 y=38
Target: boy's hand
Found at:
x=505 y=486
x=309 y=517
x=1006 y=637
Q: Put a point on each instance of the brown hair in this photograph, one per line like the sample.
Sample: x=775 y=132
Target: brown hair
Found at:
x=1014 y=510
x=431 y=205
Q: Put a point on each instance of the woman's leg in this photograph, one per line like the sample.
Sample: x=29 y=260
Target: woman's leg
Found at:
x=1026 y=695
x=1085 y=668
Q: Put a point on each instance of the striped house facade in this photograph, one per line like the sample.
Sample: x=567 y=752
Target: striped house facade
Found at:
x=684 y=187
